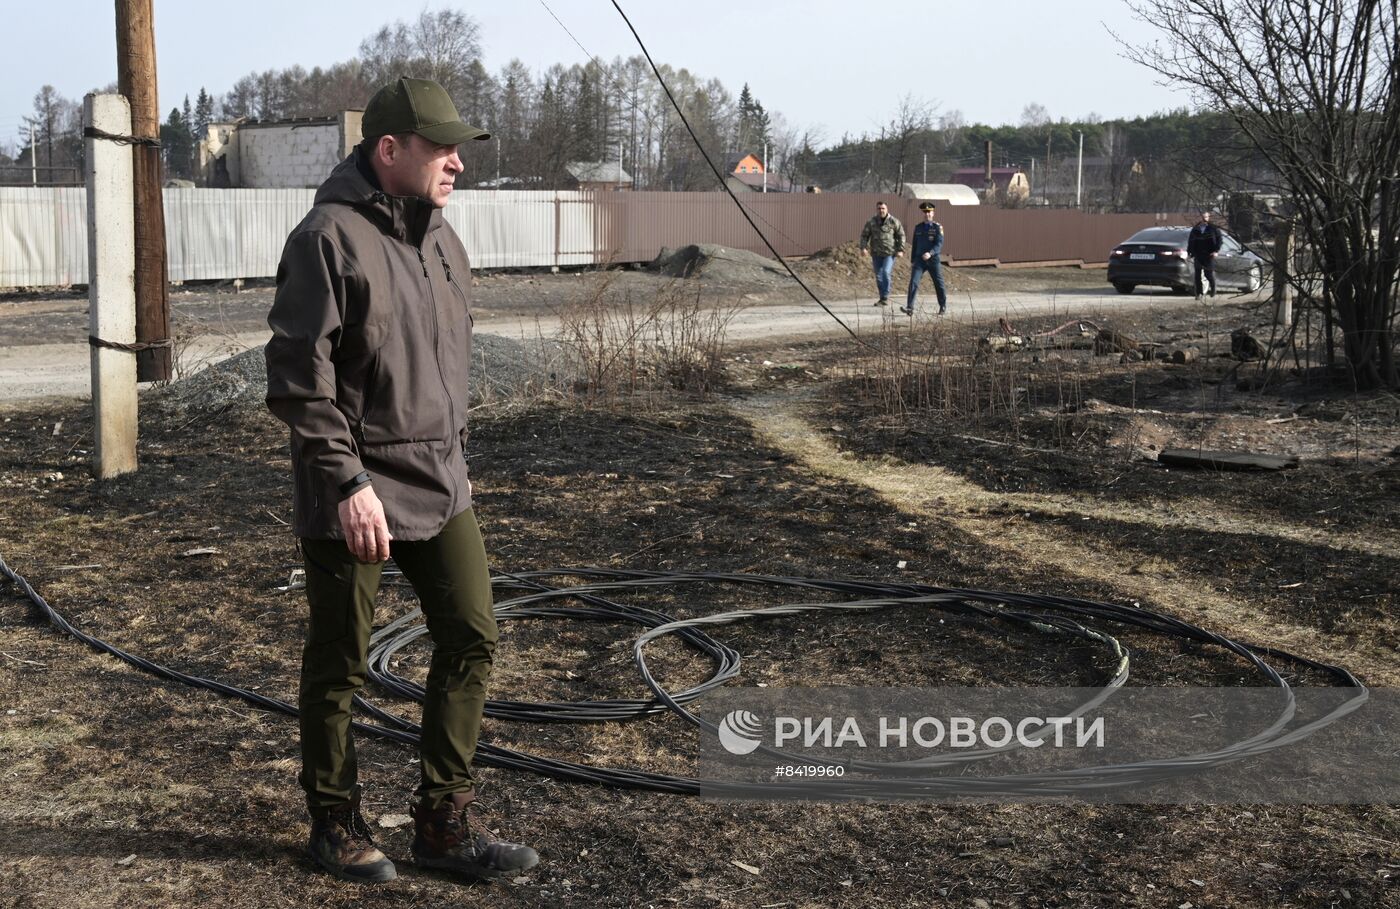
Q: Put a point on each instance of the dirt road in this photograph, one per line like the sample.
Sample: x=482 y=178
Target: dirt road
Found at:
x=43 y=354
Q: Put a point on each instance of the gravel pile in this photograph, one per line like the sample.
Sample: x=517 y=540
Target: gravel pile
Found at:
x=719 y=264
x=503 y=369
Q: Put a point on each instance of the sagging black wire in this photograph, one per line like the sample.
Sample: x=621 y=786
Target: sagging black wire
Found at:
x=720 y=177
x=594 y=58
x=1050 y=614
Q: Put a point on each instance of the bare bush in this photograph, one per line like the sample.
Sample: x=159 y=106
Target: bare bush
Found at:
x=944 y=375
x=632 y=352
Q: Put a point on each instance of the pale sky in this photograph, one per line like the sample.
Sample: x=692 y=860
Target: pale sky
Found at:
x=839 y=66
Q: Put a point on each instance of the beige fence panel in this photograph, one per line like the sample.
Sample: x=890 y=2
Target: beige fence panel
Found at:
x=217 y=234
x=43 y=236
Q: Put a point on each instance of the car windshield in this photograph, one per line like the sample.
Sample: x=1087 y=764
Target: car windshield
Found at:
x=1159 y=235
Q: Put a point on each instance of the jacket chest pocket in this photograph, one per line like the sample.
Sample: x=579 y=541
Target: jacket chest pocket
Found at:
x=453 y=308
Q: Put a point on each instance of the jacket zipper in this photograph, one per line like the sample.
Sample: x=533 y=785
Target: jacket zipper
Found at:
x=437 y=353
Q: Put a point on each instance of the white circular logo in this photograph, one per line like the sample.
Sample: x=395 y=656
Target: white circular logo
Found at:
x=740 y=732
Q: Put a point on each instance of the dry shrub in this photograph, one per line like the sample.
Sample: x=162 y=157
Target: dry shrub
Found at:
x=942 y=373
x=636 y=353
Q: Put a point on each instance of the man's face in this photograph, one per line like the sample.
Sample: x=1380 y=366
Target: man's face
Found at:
x=419 y=168
x=928 y=216
x=882 y=209
x=1205 y=216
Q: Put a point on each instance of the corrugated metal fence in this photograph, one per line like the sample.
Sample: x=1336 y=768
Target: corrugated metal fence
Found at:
x=238 y=233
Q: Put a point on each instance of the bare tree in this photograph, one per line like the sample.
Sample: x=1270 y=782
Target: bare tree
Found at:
x=1315 y=89
x=57 y=126
x=950 y=129
x=912 y=118
x=438 y=45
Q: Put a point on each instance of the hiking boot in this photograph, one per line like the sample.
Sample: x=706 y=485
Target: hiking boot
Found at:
x=341 y=843
x=450 y=838
x=882 y=301
x=906 y=310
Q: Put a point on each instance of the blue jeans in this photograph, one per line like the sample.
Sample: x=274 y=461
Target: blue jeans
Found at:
x=884 y=267
x=916 y=272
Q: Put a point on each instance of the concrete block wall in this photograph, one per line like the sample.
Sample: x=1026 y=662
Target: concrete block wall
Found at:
x=288 y=156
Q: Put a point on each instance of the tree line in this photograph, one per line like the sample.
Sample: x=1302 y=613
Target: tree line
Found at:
x=614 y=111
x=540 y=121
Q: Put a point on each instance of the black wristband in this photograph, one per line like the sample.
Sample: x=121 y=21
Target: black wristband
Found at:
x=359 y=479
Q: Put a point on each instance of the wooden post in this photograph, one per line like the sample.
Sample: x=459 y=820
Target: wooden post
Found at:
x=1283 y=260
x=136 y=79
x=111 y=287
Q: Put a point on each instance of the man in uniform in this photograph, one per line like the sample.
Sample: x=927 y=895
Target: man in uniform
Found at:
x=367 y=365
x=1203 y=245
x=928 y=244
x=883 y=236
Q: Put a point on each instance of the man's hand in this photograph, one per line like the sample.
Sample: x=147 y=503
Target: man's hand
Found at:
x=366 y=532
x=926 y=255
x=899 y=255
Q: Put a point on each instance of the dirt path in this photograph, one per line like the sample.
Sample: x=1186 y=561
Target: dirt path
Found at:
x=934 y=494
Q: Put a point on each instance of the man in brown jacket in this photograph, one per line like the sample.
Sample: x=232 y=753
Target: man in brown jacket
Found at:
x=372 y=335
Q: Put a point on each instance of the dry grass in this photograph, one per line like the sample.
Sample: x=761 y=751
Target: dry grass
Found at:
x=635 y=352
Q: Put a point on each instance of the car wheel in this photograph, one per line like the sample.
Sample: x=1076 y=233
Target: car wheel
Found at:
x=1123 y=288
x=1181 y=290
x=1255 y=279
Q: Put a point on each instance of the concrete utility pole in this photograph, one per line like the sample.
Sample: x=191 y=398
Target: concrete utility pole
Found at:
x=33 y=159
x=111 y=286
x=1079 y=181
x=1045 y=193
x=925 y=167
x=136 y=79
x=1283 y=261
x=765 y=167
x=990 y=187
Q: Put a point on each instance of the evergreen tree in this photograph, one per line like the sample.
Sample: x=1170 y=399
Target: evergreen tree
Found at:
x=203 y=115
x=753 y=126
x=177 y=145
x=588 y=143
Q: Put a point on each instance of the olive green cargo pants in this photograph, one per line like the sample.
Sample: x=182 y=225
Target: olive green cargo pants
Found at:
x=453 y=584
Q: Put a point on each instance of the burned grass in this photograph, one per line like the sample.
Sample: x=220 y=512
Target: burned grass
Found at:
x=118 y=787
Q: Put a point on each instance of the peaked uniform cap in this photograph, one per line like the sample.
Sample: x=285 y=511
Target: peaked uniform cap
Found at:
x=926 y=206
x=417 y=106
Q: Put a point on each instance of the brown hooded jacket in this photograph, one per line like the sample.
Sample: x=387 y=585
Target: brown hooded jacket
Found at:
x=371 y=344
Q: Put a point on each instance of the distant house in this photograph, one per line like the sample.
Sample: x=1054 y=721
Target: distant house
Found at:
x=1009 y=181
x=599 y=175
x=760 y=182
x=510 y=183
x=950 y=193
x=276 y=154
x=746 y=164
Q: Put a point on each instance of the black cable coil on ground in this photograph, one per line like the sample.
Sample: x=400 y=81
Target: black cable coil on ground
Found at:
x=1052 y=615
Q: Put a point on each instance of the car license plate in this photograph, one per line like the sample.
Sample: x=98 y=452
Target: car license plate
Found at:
x=1147 y=256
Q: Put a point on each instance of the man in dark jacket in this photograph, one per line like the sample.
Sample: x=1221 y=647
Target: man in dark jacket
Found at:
x=1203 y=245
x=372 y=335
x=928 y=246
x=883 y=236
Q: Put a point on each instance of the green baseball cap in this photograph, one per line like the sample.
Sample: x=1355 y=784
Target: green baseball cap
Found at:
x=417 y=106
